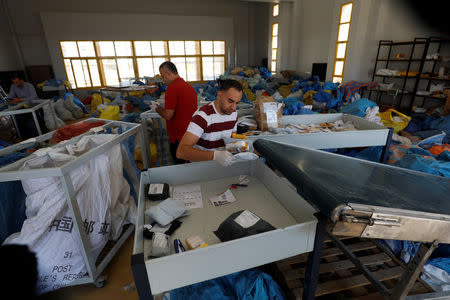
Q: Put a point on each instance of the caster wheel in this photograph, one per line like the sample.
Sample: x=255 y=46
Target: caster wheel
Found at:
x=100 y=282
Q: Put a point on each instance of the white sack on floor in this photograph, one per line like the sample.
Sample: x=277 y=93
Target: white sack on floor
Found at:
x=52 y=122
x=62 y=112
x=76 y=111
x=105 y=205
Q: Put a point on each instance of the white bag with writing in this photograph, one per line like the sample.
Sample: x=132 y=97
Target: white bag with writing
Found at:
x=103 y=197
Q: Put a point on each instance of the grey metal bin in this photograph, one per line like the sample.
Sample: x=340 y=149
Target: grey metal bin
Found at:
x=267 y=195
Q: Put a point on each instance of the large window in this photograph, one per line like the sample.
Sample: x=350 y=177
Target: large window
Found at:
x=345 y=17
x=273 y=61
x=104 y=63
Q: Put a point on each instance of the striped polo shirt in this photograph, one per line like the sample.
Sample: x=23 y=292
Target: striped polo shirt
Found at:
x=211 y=127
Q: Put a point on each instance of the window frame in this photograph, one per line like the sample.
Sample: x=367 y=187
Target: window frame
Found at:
x=278 y=10
x=343 y=59
x=272 y=59
x=134 y=58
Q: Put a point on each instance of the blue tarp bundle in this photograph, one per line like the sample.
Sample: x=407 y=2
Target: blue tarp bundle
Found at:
x=293 y=106
x=53 y=82
x=246 y=285
x=358 y=107
x=138 y=102
x=425 y=126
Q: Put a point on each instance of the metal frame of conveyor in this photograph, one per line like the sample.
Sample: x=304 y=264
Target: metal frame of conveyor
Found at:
x=378 y=222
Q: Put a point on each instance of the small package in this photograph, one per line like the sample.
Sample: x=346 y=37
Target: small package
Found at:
x=237 y=147
x=241 y=224
x=167 y=211
x=158 y=191
x=268 y=113
x=194 y=242
x=160 y=245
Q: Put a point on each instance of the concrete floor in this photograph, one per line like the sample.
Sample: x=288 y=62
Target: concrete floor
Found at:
x=118 y=274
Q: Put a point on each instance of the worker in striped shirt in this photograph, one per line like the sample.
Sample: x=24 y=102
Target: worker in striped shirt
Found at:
x=211 y=123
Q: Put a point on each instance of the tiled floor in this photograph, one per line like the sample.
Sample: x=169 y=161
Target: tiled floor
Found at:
x=118 y=274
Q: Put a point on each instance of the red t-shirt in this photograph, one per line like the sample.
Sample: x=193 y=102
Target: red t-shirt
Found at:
x=181 y=97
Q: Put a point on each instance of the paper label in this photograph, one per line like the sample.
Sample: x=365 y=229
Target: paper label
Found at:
x=156 y=188
x=272 y=119
x=270 y=106
x=247 y=219
x=222 y=199
x=190 y=195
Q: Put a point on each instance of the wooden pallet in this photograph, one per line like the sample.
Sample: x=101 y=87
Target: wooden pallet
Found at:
x=339 y=278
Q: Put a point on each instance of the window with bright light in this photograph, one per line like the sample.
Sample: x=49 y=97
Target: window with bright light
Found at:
x=273 y=60
x=92 y=64
x=275 y=10
x=345 y=17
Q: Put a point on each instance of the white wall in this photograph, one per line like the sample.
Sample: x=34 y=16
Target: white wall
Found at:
x=314 y=32
x=9 y=60
x=375 y=20
x=32 y=38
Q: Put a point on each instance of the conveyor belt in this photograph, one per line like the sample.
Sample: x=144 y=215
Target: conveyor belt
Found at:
x=391 y=202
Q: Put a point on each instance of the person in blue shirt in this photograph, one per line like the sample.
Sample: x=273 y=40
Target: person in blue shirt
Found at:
x=25 y=92
x=21 y=91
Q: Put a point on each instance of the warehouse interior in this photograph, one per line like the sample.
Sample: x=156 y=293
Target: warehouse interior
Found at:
x=225 y=149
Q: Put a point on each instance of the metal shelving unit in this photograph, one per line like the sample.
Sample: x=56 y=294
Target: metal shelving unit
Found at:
x=388 y=59
x=426 y=42
x=12 y=172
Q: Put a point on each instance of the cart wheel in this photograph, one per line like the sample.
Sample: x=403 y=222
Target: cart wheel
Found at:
x=100 y=282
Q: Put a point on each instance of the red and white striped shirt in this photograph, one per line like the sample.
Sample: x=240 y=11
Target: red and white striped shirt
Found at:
x=211 y=127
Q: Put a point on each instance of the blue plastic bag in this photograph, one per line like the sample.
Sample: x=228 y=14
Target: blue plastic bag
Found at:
x=358 y=107
x=246 y=285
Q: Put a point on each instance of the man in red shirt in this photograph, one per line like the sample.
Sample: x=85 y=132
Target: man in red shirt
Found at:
x=180 y=105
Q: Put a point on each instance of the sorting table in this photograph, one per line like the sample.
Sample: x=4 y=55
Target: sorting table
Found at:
x=267 y=195
x=368 y=133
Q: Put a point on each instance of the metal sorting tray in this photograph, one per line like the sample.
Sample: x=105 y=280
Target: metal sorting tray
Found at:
x=368 y=133
x=267 y=195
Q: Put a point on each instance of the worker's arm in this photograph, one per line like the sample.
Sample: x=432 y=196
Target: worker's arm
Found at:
x=170 y=104
x=187 y=151
x=167 y=114
x=12 y=96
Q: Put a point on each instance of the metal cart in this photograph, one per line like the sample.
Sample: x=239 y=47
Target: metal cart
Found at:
x=11 y=172
x=20 y=109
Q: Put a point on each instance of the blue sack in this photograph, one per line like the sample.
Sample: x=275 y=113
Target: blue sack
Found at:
x=246 y=285
x=358 y=107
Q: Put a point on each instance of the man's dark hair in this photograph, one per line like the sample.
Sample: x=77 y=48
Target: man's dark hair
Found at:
x=225 y=85
x=15 y=75
x=169 y=66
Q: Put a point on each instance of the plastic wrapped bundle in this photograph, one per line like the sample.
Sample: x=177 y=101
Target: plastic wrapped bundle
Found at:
x=76 y=111
x=52 y=122
x=62 y=112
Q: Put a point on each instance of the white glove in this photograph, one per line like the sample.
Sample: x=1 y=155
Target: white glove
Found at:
x=224 y=158
x=153 y=105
